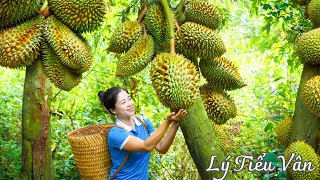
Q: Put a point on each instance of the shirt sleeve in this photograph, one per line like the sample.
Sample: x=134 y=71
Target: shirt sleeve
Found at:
x=117 y=137
x=149 y=124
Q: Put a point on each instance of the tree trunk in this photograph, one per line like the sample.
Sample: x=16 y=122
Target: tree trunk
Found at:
x=202 y=142
x=305 y=123
x=36 y=133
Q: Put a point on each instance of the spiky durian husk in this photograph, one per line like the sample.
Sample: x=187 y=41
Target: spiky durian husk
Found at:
x=156 y=23
x=314 y=12
x=222 y=136
x=221 y=74
x=194 y=40
x=125 y=36
x=13 y=12
x=311 y=95
x=59 y=74
x=88 y=65
x=175 y=80
x=20 y=45
x=283 y=131
x=218 y=104
x=79 y=15
x=308 y=47
x=307 y=154
x=137 y=58
x=70 y=48
x=203 y=13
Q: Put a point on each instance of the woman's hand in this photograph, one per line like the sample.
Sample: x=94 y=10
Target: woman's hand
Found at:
x=172 y=117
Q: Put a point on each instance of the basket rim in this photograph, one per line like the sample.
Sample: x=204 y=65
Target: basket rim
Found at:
x=77 y=132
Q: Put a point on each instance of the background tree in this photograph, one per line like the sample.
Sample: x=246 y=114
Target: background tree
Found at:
x=305 y=122
x=50 y=50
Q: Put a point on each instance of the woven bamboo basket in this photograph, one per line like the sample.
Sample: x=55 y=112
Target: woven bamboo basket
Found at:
x=89 y=147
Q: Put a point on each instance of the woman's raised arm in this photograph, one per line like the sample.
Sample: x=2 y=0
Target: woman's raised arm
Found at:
x=139 y=145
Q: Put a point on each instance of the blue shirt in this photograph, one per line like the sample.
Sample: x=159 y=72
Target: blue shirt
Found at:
x=136 y=167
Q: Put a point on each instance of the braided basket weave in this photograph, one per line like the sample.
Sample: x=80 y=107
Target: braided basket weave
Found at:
x=89 y=147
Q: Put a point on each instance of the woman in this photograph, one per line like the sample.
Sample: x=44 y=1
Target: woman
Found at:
x=134 y=137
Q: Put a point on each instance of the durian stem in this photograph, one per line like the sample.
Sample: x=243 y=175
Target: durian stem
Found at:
x=142 y=13
x=169 y=19
x=144 y=29
x=172 y=48
x=45 y=12
x=177 y=26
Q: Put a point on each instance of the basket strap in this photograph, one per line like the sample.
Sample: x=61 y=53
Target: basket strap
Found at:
x=142 y=121
x=122 y=164
x=125 y=159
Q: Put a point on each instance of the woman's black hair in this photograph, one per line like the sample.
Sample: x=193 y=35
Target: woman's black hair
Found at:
x=109 y=98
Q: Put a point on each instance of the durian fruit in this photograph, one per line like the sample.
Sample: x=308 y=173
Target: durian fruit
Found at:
x=89 y=60
x=175 y=80
x=125 y=36
x=311 y=95
x=308 y=47
x=59 y=74
x=137 y=58
x=20 y=45
x=194 y=40
x=307 y=154
x=221 y=74
x=13 y=12
x=218 y=105
x=283 y=131
x=222 y=136
x=70 y=48
x=203 y=13
x=314 y=12
x=79 y=15
x=156 y=23
x=318 y=144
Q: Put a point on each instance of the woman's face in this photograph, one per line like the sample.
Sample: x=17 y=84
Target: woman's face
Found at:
x=124 y=105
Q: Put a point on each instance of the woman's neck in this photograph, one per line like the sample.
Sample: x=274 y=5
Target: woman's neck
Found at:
x=126 y=120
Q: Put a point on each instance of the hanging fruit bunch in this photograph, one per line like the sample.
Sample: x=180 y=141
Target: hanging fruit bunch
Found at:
x=176 y=76
x=51 y=35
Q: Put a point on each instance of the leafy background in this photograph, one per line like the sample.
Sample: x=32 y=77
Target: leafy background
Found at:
x=259 y=36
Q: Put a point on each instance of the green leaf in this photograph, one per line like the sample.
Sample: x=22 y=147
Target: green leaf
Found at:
x=268 y=127
x=270 y=157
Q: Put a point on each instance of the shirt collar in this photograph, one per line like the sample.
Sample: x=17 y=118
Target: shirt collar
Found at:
x=120 y=123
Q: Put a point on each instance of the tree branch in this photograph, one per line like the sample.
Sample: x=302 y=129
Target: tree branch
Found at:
x=169 y=19
x=142 y=13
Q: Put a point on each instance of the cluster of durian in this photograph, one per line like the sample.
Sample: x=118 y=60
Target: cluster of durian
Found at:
x=297 y=166
x=283 y=131
x=176 y=77
x=198 y=39
x=308 y=50
x=28 y=35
